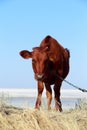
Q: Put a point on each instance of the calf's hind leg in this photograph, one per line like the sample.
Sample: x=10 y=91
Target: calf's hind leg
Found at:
x=58 y=105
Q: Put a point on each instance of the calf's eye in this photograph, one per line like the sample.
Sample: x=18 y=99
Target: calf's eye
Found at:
x=33 y=61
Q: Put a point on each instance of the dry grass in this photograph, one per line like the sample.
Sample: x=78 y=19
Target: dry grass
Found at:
x=12 y=118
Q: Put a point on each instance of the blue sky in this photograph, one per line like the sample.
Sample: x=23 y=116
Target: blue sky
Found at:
x=24 y=23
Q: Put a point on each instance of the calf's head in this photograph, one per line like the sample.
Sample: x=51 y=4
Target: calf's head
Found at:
x=40 y=60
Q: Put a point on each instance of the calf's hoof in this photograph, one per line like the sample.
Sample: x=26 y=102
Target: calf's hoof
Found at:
x=58 y=107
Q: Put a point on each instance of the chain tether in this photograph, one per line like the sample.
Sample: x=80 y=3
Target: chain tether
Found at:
x=83 y=90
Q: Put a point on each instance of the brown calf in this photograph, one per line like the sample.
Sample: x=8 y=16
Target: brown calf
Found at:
x=49 y=61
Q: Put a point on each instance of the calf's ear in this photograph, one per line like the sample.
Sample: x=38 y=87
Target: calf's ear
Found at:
x=26 y=54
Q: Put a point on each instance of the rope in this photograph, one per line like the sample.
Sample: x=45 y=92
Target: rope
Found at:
x=83 y=90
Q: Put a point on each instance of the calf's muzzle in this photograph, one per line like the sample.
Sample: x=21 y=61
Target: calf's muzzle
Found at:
x=39 y=76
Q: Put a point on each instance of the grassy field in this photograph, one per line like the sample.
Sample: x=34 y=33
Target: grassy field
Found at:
x=12 y=118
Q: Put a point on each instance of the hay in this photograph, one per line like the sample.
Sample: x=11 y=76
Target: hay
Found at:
x=12 y=118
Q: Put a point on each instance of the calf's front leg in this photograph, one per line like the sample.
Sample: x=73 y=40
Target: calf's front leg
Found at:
x=40 y=90
x=49 y=95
